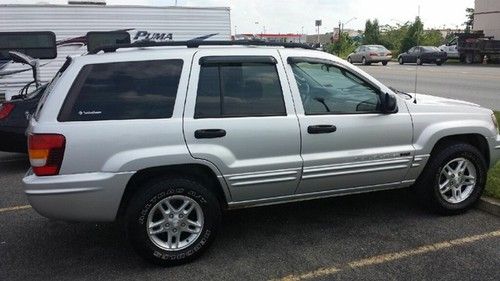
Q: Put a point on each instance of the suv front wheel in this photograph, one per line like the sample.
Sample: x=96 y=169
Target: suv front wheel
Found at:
x=173 y=220
x=454 y=179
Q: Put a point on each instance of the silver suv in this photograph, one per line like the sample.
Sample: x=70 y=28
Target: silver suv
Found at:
x=167 y=138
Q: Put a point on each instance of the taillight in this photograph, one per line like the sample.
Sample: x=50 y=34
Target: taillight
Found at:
x=46 y=153
x=373 y=54
x=389 y=54
x=5 y=109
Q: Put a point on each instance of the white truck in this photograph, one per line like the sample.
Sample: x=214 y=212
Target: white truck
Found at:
x=71 y=23
x=451 y=49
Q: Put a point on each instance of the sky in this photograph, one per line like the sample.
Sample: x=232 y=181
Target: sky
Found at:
x=295 y=16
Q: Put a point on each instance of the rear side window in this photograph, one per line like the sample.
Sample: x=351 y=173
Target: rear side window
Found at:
x=123 y=90
x=239 y=90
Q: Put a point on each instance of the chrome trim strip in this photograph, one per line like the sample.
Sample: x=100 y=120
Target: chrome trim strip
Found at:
x=62 y=191
x=497 y=147
x=419 y=158
x=314 y=195
x=359 y=171
x=264 y=181
x=262 y=175
x=408 y=181
x=355 y=165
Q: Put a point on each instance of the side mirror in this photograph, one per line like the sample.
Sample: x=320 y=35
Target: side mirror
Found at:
x=389 y=104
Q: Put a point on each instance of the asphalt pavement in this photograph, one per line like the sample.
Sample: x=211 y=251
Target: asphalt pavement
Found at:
x=475 y=83
x=377 y=236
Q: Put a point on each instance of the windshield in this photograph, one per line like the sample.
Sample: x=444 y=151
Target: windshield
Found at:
x=376 y=48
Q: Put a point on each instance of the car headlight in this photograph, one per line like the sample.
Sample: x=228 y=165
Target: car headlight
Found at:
x=495 y=122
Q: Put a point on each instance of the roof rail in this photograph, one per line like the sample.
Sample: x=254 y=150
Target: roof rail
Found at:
x=197 y=43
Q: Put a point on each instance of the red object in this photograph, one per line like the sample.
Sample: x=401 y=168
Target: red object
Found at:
x=46 y=152
x=279 y=35
x=5 y=109
x=373 y=54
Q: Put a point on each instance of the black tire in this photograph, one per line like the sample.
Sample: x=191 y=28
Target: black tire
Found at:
x=419 y=61
x=427 y=185
x=364 y=62
x=469 y=58
x=384 y=63
x=439 y=63
x=401 y=61
x=349 y=60
x=153 y=192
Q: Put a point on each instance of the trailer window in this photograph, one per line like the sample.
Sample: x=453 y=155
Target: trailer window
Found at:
x=123 y=90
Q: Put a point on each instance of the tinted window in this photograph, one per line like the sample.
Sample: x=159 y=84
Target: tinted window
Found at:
x=327 y=89
x=431 y=49
x=124 y=90
x=239 y=89
x=376 y=48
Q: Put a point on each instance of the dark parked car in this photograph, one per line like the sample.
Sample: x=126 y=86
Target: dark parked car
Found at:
x=14 y=120
x=423 y=54
x=367 y=54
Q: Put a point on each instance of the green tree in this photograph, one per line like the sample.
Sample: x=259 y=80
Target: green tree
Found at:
x=413 y=36
x=432 y=38
x=392 y=36
x=343 y=47
x=469 y=23
x=372 y=32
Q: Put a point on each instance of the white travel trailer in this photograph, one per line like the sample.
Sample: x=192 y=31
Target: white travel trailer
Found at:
x=75 y=20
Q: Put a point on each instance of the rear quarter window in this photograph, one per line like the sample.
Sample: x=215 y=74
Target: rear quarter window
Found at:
x=123 y=90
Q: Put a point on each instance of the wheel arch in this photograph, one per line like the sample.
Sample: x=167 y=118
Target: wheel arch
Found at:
x=200 y=172
x=474 y=139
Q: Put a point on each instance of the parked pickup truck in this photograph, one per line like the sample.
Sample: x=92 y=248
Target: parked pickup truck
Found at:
x=167 y=138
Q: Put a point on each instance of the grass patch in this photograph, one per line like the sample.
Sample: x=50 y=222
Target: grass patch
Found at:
x=493 y=183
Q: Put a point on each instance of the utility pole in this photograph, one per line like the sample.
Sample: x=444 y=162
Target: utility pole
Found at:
x=340 y=32
x=318 y=24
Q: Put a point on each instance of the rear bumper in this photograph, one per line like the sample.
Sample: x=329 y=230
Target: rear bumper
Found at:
x=78 y=197
x=379 y=58
x=434 y=60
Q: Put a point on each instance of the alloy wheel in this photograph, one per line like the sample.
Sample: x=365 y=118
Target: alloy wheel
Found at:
x=175 y=223
x=457 y=180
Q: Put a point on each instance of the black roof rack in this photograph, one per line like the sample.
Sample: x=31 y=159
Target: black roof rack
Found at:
x=197 y=43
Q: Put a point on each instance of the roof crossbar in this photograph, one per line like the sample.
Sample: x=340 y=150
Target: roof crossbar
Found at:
x=198 y=43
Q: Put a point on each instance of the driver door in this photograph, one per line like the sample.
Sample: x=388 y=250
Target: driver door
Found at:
x=413 y=54
x=347 y=142
x=356 y=56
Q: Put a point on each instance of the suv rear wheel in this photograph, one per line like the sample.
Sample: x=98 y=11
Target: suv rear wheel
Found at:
x=454 y=179
x=173 y=221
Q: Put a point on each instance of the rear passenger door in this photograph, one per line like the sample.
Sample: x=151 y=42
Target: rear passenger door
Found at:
x=239 y=115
